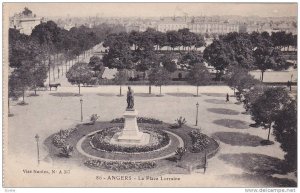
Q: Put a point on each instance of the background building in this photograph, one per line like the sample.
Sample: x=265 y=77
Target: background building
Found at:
x=24 y=21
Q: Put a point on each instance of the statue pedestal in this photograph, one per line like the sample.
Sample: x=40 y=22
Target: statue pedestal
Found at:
x=130 y=133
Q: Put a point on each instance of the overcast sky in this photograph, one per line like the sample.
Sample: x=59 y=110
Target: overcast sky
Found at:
x=153 y=9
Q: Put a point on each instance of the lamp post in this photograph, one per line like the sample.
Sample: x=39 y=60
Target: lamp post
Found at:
x=38 y=149
x=197 y=107
x=205 y=162
x=81 y=101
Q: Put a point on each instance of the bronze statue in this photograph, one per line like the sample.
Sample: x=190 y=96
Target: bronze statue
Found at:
x=130 y=99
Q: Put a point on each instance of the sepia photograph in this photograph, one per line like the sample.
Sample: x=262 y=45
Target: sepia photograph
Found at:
x=150 y=95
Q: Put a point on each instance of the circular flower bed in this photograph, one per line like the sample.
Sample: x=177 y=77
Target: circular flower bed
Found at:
x=101 y=141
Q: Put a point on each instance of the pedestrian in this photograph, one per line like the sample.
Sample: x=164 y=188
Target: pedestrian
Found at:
x=289 y=85
x=227 y=97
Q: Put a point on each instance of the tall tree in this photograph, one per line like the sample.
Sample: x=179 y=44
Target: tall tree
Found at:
x=239 y=78
x=219 y=55
x=23 y=78
x=266 y=108
x=39 y=76
x=198 y=76
x=96 y=65
x=285 y=131
x=173 y=39
x=134 y=38
x=119 y=55
x=200 y=41
x=160 y=39
x=187 y=38
x=79 y=74
x=120 y=79
x=14 y=89
x=168 y=62
x=269 y=58
x=189 y=59
x=242 y=47
x=159 y=76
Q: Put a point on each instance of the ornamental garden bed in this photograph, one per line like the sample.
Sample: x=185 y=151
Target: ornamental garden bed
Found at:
x=159 y=156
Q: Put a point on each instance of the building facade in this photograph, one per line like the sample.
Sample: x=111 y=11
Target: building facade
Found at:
x=198 y=27
x=24 y=23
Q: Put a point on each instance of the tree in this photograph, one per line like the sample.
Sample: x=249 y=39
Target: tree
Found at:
x=267 y=107
x=79 y=73
x=22 y=78
x=187 y=38
x=219 y=55
x=134 y=38
x=200 y=41
x=14 y=89
x=160 y=39
x=285 y=131
x=39 y=76
x=189 y=59
x=159 y=76
x=168 y=63
x=269 y=58
x=199 y=75
x=120 y=79
x=242 y=47
x=253 y=94
x=96 y=65
x=147 y=40
x=239 y=78
x=260 y=40
x=173 y=39
x=119 y=55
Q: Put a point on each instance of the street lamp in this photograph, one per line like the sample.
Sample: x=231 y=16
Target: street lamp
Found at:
x=197 y=107
x=38 y=149
x=81 y=101
x=205 y=162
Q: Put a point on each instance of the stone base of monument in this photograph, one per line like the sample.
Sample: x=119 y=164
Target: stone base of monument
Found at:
x=130 y=135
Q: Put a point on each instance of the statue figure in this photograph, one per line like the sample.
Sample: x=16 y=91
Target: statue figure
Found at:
x=130 y=99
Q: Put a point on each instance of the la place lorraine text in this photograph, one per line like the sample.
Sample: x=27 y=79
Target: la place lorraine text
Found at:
x=139 y=178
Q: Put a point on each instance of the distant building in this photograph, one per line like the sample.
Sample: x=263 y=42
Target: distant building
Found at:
x=210 y=27
x=130 y=28
x=171 y=25
x=213 y=27
x=243 y=28
x=24 y=21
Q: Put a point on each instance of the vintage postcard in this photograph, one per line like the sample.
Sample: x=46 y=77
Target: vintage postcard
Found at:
x=150 y=95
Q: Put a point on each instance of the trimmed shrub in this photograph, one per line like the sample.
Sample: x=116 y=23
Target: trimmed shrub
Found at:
x=66 y=150
x=179 y=123
x=94 y=118
x=199 y=141
x=180 y=152
x=59 y=139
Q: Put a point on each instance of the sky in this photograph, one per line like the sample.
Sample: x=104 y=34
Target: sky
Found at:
x=153 y=9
